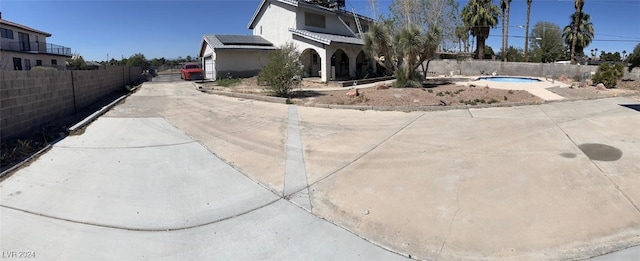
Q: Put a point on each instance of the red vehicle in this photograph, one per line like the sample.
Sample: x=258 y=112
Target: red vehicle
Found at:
x=191 y=71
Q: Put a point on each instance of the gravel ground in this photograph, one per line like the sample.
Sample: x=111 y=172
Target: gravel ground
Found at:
x=449 y=95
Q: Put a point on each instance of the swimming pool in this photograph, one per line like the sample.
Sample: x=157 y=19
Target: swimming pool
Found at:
x=510 y=79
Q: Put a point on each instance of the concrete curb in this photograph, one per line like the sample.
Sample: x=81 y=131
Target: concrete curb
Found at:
x=246 y=96
x=75 y=129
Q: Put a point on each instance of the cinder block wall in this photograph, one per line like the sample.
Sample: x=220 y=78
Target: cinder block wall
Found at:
x=30 y=99
x=444 y=67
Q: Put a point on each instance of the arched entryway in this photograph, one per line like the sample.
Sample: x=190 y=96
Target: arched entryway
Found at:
x=340 y=61
x=311 y=62
x=364 y=68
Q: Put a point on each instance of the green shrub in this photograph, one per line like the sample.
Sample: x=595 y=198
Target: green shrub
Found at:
x=281 y=70
x=226 y=82
x=609 y=74
x=414 y=80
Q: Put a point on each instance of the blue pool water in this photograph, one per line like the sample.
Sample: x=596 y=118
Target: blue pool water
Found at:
x=509 y=79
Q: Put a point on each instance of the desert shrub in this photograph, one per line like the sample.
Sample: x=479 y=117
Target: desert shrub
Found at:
x=413 y=81
x=226 y=82
x=281 y=70
x=609 y=74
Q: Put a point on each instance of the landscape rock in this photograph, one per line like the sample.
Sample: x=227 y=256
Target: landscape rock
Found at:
x=352 y=93
x=382 y=87
x=601 y=87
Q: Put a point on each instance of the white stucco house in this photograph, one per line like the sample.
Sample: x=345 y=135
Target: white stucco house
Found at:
x=328 y=38
x=23 y=47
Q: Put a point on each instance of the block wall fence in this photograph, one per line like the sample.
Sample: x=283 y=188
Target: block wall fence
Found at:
x=475 y=67
x=30 y=99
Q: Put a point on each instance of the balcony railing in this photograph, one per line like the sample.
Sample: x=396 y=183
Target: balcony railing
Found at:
x=37 y=47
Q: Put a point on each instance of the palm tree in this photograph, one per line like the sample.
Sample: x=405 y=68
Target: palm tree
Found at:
x=584 y=34
x=480 y=16
x=506 y=45
x=505 y=5
x=578 y=4
x=462 y=33
x=526 y=36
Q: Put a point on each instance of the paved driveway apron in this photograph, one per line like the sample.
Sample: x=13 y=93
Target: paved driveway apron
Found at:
x=173 y=173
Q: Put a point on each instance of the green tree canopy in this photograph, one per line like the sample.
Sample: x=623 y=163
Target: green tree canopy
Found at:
x=480 y=16
x=585 y=33
x=137 y=60
x=546 y=42
x=634 y=58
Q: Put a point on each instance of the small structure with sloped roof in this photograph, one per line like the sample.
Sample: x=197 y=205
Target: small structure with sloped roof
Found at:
x=233 y=55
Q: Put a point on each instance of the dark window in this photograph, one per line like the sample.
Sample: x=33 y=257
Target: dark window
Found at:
x=24 y=42
x=6 y=33
x=365 y=28
x=17 y=64
x=27 y=64
x=314 y=59
x=54 y=62
x=315 y=20
x=38 y=62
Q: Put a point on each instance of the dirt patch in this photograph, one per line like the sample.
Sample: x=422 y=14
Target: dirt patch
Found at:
x=444 y=95
x=15 y=150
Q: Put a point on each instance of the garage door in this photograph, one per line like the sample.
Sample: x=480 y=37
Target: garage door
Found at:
x=209 y=68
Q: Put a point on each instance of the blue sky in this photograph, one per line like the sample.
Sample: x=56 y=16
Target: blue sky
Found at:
x=162 y=28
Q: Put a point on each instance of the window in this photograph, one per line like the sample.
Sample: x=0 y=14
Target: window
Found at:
x=365 y=28
x=54 y=62
x=24 y=42
x=17 y=64
x=314 y=59
x=314 y=20
x=38 y=62
x=6 y=33
x=27 y=64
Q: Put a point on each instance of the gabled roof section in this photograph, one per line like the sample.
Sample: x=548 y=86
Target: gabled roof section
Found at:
x=23 y=27
x=237 y=42
x=297 y=3
x=262 y=4
x=326 y=38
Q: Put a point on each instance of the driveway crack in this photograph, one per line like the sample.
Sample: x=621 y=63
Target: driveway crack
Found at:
x=455 y=214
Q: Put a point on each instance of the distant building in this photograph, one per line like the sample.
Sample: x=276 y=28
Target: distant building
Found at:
x=22 y=48
x=328 y=38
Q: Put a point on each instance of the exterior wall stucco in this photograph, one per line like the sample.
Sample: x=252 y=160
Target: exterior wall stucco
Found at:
x=240 y=63
x=6 y=60
x=274 y=22
x=32 y=36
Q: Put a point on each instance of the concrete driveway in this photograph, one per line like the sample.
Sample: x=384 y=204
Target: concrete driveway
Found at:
x=173 y=173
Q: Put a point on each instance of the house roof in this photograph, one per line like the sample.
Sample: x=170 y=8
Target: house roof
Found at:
x=237 y=42
x=326 y=38
x=23 y=27
x=297 y=3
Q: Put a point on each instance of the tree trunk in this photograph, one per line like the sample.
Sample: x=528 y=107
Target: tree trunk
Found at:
x=506 y=35
x=480 y=46
x=503 y=31
x=526 y=37
x=576 y=23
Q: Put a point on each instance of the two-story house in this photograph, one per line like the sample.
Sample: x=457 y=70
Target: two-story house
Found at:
x=328 y=37
x=22 y=48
